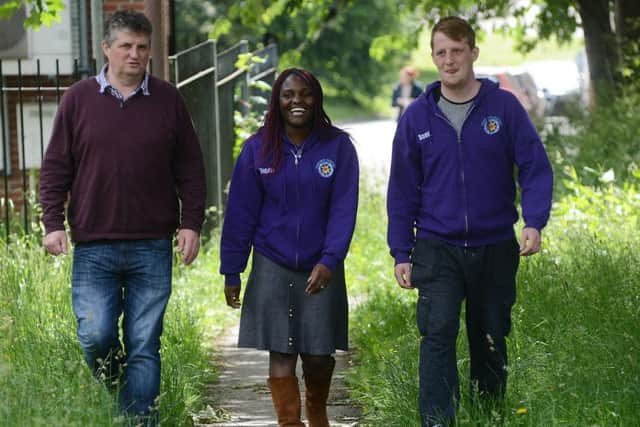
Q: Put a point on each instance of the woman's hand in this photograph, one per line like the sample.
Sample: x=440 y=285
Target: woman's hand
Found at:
x=318 y=279
x=232 y=294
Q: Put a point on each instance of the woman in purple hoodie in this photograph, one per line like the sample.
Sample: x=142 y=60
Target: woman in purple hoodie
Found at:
x=293 y=198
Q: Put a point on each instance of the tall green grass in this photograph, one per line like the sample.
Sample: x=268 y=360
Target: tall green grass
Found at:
x=575 y=346
x=43 y=377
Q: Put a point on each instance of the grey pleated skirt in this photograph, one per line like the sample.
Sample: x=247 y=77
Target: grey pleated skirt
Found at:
x=277 y=314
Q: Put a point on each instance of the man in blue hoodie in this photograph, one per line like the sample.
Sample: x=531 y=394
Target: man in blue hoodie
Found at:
x=451 y=207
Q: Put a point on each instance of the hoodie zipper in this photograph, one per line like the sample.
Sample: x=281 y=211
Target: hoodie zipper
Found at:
x=297 y=156
x=462 y=175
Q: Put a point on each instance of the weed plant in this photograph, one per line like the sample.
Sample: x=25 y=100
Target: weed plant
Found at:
x=576 y=324
x=43 y=377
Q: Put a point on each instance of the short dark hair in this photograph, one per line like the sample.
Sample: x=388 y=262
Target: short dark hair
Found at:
x=456 y=29
x=126 y=20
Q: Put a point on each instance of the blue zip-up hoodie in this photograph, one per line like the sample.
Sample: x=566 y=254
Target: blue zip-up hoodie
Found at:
x=299 y=215
x=462 y=190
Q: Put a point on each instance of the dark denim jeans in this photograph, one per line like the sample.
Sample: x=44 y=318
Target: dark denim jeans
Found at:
x=130 y=278
x=445 y=275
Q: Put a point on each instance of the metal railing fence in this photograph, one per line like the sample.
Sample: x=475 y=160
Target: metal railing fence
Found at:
x=213 y=86
x=211 y=83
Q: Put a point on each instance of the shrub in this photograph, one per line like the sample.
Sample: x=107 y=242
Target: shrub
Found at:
x=603 y=140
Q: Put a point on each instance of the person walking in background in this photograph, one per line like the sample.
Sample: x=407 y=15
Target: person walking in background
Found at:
x=407 y=89
x=124 y=146
x=451 y=208
x=293 y=198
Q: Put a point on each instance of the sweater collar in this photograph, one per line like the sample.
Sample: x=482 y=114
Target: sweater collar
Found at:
x=430 y=94
x=104 y=83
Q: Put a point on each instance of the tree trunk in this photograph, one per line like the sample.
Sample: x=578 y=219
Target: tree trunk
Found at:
x=599 y=39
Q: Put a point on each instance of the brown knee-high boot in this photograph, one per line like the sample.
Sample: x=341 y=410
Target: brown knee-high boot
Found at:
x=317 y=380
x=285 y=394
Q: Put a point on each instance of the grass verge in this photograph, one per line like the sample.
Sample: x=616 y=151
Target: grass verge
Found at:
x=43 y=377
x=576 y=335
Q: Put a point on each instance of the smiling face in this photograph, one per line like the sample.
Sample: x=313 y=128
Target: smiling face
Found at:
x=454 y=60
x=296 y=103
x=128 y=55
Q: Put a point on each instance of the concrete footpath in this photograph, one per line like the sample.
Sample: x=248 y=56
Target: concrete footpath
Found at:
x=244 y=400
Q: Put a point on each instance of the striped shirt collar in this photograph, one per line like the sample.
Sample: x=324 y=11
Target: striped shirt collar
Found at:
x=103 y=81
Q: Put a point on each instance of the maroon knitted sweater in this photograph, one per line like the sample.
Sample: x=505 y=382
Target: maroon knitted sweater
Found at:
x=127 y=167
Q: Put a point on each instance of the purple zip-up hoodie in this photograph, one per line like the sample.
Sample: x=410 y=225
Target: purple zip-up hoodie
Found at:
x=299 y=215
x=461 y=189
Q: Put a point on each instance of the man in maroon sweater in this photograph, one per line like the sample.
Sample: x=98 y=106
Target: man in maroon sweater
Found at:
x=124 y=146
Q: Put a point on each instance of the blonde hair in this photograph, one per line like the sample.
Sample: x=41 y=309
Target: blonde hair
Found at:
x=410 y=71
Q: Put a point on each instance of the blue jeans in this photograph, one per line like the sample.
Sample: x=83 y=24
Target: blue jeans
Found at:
x=131 y=278
x=446 y=275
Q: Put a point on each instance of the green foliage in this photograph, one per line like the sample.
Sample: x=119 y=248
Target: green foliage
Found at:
x=194 y=19
x=576 y=330
x=555 y=19
x=43 y=377
x=356 y=47
x=250 y=117
x=631 y=60
x=348 y=50
x=40 y=12
x=246 y=124
x=605 y=139
x=345 y=43
x=246 y=60
x=608 y=210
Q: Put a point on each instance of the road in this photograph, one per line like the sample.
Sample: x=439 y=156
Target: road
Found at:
x=373 y=140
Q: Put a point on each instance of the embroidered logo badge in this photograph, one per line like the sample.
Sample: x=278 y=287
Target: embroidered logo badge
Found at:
x=423 y=136
x=325 y=167
x=265 y=171
x=491 y=125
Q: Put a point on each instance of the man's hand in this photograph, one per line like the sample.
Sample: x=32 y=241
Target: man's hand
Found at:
x=530 y=241
x=188 y=245
x=56 y=242
x=318 y=279
x=403 y=275
x=232 y=294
